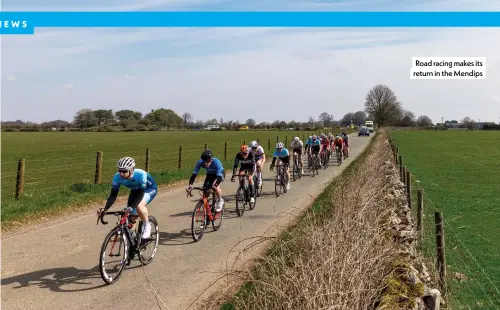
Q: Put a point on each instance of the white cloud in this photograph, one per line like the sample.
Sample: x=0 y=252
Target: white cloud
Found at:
x=11 y=78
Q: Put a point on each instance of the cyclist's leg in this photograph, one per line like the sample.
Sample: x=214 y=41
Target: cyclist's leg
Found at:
x=142 y=210
x=301 y=162
x=260 y=163
x=286 y=162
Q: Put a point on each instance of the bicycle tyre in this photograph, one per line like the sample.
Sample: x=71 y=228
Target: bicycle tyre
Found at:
x=199 y=209
x=116 y=231
x=277 y=185
x=240 y=201
x=155 y=239
x=284 y=182
x=217 y=216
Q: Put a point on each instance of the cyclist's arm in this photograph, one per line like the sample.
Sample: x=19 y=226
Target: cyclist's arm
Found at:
x=254 y=164
x=195 y=172
x=115 y=188
x=235 y=166
x=219 y=172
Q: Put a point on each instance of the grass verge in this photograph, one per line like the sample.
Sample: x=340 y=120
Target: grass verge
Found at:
x=339 y=254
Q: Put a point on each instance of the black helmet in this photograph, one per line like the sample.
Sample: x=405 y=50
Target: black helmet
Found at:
x=206 y=155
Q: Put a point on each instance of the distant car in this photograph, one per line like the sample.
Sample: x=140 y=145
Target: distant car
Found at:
x=364 y=132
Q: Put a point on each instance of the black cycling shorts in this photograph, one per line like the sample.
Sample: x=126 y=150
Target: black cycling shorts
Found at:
x=212 y=180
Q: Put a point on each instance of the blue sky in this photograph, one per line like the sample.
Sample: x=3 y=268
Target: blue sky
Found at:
x=241 y=73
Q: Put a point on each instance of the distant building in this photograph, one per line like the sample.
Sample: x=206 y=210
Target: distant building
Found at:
x=451 y=124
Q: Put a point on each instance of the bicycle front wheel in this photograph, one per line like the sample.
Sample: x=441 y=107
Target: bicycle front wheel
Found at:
x=240 y=201
x=277 y=185
x=199 y=221
x=116 y=256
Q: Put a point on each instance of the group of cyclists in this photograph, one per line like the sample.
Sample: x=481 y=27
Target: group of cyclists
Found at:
x=143 y=188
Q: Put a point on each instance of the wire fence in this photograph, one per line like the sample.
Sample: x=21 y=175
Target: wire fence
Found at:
x=34 y=178
x=463 y=280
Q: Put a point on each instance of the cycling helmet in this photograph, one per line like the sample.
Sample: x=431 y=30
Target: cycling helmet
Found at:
x=244 y=149
x=254 y=144
x=314 y=137
x=296 y=139
x=343 y=134
x=280 y=145
x=206 y=155
x=125 y=163
x=310 y=137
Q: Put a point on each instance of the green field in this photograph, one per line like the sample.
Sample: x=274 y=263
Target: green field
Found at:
x=460 y=174
x=60 y=166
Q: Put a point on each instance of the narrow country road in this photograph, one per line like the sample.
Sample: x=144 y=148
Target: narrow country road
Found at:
x=55 y=267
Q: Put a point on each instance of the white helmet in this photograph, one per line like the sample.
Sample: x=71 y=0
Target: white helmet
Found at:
x=254 y=144
x=314 y=137
x=296 y=139
x=310 y=137
x=126 y=163
x=280 y=145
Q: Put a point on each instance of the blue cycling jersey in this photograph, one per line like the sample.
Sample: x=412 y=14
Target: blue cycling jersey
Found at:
x=284 y=153
x=315 y=142
x=308 y=141
x=214 y=168
x=139 y=179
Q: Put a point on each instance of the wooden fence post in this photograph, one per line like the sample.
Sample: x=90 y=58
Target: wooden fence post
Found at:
x=441 y=258
x=420 y=213
x=225 y=150
x=205 y=146
x=98 y=168
x=277 y=139
x=400 y=167
x=286 y=141
x=146 y=165
x=179 y=164
x=408 y=188
x=20 y=178
x=269 y=144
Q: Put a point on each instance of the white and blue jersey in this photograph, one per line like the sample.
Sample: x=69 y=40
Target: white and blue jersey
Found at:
x=315 y=142
x=140 y=179
x=214 y=168
x=308 y=141
x=282 y=154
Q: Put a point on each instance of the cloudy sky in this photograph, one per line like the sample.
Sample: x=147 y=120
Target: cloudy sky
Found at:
x=241 y=73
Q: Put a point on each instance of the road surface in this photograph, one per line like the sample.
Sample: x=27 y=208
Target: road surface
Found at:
x=55 y=267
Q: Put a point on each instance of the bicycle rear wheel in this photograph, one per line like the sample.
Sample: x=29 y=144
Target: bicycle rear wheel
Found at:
x=218 y=217
x=277 y=184
x=119 y=250
x=150 y=244
x=199 y=221
x=240 y=201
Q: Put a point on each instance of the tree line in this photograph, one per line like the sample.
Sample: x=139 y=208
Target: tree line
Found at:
x=381 y=106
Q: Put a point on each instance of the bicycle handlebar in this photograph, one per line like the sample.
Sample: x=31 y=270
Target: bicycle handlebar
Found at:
x=116 y=213
x=196 y=188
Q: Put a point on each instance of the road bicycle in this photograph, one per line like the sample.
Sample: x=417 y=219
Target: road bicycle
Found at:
x=314 y=164
x=258 y=189
x=297 y=167
x=204 y=213
x=129 y=243
x=243 y=195
x=339 y=155
x=346 y=150
x=324 y=159
x=280 y=181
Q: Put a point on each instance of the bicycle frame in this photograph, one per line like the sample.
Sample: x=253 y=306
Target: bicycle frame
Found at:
x=206 y=193
x=123 y=224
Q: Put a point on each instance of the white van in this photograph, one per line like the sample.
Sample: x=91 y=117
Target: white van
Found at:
x=369 y=125
x=212 y=127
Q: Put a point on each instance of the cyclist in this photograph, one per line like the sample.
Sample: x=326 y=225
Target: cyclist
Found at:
x=214 y=177
x=325 y=145
x=282 y=154
x=247 y=161
x=308 y=143
x=345 y=138
x=296 y=147
x=339 y=146
x=260 y=159
x=143 y=190
x=315 y=147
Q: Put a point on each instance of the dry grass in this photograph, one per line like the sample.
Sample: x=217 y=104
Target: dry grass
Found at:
x=337 y=258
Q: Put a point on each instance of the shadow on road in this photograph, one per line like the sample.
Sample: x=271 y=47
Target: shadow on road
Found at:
x=178 y=238
x=55 y=279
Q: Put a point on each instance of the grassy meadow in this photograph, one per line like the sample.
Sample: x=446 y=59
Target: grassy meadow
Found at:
x=459 y=172
x=60 y=166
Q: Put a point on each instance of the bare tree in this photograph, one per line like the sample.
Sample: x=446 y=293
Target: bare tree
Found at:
x=187 y=118
x=359 y=118
x=325 y=118
x=346 y=120
x=382 y=104
x=407 y=119
x=424 y=121
x=468 y=123
x=251 y=123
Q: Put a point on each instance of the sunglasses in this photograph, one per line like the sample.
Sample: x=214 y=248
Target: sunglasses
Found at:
x=123 y=171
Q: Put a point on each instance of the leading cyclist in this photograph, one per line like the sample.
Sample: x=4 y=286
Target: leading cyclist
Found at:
x=143 y=190
x=260 y=159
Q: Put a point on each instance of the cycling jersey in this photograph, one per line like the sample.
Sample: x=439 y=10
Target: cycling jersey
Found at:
x=258 y=153
x=315 y=142
x=246 y=163
x=214 y=168
x=296 y=145
x=325 y=142
x=140 y=179
x=338 y=142
x=284 y=153
x=308 y=141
